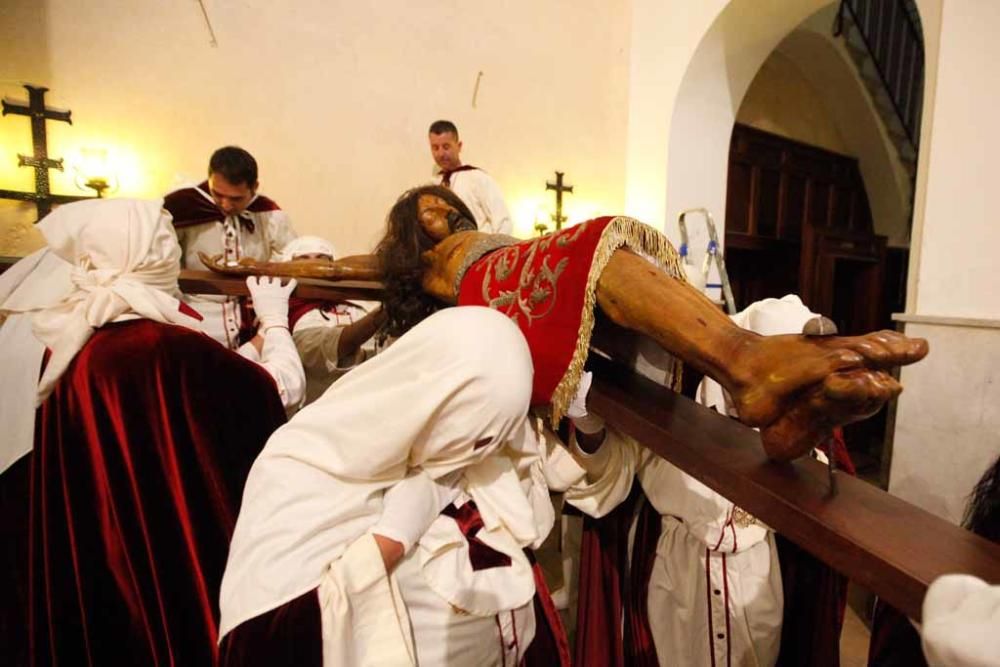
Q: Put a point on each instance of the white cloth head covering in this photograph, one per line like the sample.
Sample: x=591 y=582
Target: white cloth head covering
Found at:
x=308 y=245
x=444 y=396
x=961 y=622
x=124 y=262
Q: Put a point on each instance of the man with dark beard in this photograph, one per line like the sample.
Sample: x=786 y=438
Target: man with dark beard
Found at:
x=795 y=388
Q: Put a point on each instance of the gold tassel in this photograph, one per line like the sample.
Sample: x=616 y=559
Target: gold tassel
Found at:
x=641 y=238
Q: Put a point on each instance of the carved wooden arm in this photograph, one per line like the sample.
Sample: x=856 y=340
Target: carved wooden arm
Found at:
x=355 y=267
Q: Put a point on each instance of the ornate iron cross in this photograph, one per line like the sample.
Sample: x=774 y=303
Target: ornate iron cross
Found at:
x=40 y=161
x=558 y=218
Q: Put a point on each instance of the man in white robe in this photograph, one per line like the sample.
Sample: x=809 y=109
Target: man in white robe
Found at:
x=332 y=337
x=715 y=591
x=475 y=187
x=313 y=521
x=226 y=215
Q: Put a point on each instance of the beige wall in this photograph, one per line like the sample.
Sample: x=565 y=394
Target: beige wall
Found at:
x=334 y=98
x=809 y=89
x=690 y=66
x=957 y=274
x=781 y=101
x=947 y=421
x=24 y=56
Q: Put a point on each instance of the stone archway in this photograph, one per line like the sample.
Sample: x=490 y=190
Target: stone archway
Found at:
x=715 y=81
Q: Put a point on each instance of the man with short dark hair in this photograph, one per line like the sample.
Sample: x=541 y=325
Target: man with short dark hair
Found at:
x=473 y=185
x=226 y=215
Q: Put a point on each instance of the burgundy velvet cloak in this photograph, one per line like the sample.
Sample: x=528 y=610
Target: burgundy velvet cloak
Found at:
x=119 y=521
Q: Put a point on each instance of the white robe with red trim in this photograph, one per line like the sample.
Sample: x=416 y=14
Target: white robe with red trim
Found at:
x=715 y=592
x=259 y=232
x=482 y=195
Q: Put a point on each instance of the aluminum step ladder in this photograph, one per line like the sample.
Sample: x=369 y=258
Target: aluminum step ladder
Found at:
x=712 y=254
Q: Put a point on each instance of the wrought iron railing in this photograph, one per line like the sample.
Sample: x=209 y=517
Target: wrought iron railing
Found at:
x=894 y=39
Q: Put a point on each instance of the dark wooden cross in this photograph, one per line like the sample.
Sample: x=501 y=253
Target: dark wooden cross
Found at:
x=36 y=110
x=558 y=218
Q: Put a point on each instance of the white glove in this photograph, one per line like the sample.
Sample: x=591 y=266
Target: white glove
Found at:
x=410 y=507
x=270 y=300
x=961 y=620
x=578 y=406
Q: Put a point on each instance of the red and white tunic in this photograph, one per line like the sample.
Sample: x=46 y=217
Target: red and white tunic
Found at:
x=480 y=192
x=259 y=232
x=316 y=327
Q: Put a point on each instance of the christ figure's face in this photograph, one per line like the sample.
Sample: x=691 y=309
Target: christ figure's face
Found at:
x=433 y=213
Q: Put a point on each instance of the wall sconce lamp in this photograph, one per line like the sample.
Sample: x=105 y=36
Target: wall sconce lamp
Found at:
x=94 y=172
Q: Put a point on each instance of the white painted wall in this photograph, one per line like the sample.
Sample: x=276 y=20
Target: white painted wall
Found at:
x=782 y=101
x=823 y=60
x=947 y=421
x=948 y=418
x=334 y=97
x=957 y=275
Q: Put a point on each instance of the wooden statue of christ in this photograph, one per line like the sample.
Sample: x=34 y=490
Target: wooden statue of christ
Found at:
x=795 y=388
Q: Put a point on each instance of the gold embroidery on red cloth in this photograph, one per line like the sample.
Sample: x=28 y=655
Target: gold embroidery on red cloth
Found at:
x=537 y=289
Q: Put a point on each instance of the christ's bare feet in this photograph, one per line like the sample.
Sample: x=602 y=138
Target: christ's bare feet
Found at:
x=797 y=388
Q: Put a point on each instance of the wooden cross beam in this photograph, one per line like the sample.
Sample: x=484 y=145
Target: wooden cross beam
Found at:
x=877 y=540
x=206 y=282
x=558 y=218
x=36 y=110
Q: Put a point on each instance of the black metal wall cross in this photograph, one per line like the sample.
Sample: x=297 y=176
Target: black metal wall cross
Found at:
x=558 y=218
x=40 y=161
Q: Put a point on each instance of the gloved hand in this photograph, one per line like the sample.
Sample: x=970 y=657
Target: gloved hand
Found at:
x=578 y=406
x=410 y=507
x=270 y=300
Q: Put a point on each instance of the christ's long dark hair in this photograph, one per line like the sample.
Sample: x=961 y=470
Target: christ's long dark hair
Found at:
x=399 y=254
x=982 y=515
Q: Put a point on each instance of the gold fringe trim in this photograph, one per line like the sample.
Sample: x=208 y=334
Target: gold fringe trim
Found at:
x=638 y=237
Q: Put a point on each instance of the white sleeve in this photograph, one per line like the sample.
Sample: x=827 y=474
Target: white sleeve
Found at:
x=496 y=208
x=280 y=231
x=561 y=470
x=610 y=471
x=317 y=340
x=281 y=360
x=184 y=241
x=363 y=615
x=249 y=352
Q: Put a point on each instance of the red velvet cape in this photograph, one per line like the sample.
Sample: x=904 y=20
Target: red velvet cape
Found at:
x=140 y=458
x=189 y=207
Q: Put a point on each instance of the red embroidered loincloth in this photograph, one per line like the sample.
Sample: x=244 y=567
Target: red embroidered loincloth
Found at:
x=547 y=286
